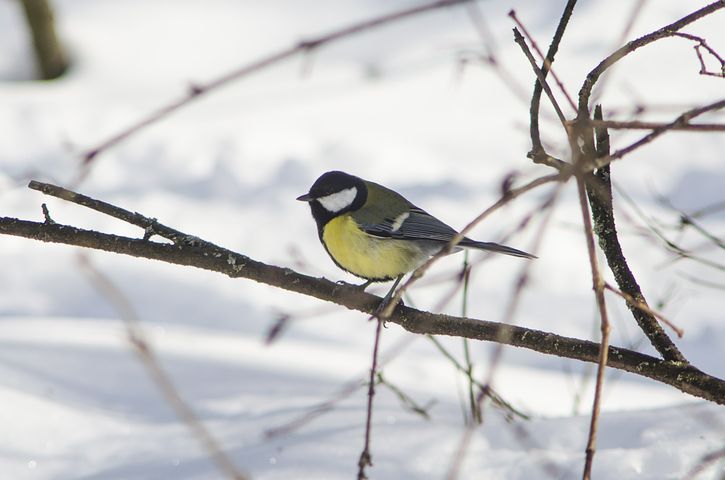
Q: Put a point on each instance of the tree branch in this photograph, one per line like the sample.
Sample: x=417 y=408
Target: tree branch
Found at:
x=537 y=153
x=666 y=31
x=640 y=125
x=683 y=119
x=217 y=259
x=198 y=90
x=600 y=199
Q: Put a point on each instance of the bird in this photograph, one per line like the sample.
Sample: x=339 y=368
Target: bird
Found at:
x=375 y=233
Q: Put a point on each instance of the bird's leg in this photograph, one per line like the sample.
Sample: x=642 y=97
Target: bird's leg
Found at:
x=365 y=285
x=387 y=297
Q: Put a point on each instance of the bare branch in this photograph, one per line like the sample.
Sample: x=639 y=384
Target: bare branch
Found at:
x=643 y=306
x=198 y=90
x=365 y=459
x=666 y=31
x=506 y=198
x=600 y=199
x=702 y=43
x=519 y=39
x=497 y=353
x=683 y=119
x=687 y=220
x=147 y=356
x=537 y=153
x=704 y=463
x=538 y=51
x=638 y=125
x=214 y=258
x=598 y=286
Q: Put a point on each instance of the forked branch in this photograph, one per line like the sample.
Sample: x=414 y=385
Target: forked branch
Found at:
x=191 y=251
x=666 y=31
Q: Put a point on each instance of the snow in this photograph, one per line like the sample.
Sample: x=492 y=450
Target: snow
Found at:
x=389 y=105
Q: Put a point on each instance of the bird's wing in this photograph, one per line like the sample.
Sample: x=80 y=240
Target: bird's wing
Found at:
x=416 y=224
x=412 y=224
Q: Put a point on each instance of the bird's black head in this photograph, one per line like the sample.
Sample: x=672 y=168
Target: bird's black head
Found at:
x=333 y=194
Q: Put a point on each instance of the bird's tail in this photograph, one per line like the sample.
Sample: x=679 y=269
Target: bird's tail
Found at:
x=494 y=247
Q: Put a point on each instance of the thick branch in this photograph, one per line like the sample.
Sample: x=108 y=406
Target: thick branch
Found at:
x=210 y=257
x=600 y=199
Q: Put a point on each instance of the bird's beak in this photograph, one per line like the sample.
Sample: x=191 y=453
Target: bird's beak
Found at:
x=305 y=198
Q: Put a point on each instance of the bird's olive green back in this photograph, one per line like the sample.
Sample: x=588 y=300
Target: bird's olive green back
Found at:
x=382 y=203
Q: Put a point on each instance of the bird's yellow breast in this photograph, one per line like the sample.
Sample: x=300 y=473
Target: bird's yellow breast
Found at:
x=366 y=256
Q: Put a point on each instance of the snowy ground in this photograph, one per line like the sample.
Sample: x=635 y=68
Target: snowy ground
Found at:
x=388 y=105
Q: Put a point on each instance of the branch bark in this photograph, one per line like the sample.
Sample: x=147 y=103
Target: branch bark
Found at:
x=207 y=256
x=600 y=200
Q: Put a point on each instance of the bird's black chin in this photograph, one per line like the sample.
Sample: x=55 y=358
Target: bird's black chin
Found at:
x=321 y=216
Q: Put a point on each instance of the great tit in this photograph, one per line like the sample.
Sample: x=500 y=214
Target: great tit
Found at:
x=375 y=233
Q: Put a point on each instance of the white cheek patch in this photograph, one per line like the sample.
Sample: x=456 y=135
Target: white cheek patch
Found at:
x=338 y=200
x=399 y=221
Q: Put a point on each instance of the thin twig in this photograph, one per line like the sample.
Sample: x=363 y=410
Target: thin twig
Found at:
x=149 y=225
x=503 y=336
x=521 y=41
x=702 y=43
x=506 y=198
x=365 y=457
x=709 y=209
x=643 y=306
x=508 y=79
x=345 y=391
x=688 y=220
x=666 y=31
x=538 y=153
x=624 y=34
x=683 y=119
x=704 y=283
x=670 y=245
x=704 y=463
x=473 y=405
x=598 y=285
x=495 y=397
x=407 y=402
x=304 y=46
x=142 y=348
x=640 y=125
x=543 y=59
x=599 y=191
